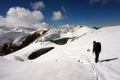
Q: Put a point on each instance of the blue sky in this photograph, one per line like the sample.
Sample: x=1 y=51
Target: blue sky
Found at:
x=75 y=12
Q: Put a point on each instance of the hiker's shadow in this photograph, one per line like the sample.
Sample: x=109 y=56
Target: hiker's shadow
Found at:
x=107 y=60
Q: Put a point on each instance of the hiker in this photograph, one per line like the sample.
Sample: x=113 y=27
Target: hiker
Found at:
x=97 y=50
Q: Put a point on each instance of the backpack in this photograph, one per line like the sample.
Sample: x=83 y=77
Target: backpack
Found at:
x=98 y=45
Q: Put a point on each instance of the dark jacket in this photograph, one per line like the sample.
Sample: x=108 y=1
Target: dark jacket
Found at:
x=97 y=48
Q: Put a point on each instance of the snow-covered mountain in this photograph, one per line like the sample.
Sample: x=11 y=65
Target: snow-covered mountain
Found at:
x=63 y=53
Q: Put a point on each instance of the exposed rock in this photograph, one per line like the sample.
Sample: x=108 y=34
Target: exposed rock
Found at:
x=10 y=47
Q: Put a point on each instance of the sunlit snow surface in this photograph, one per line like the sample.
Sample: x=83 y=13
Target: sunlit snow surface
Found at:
x=71 y=61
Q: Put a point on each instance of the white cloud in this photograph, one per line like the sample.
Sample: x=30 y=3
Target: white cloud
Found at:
x=103 y=1
x=2 y=21
x=63 y=9
x=64 y=12
x=38 y=5
x=57 y=15
x=18 y=16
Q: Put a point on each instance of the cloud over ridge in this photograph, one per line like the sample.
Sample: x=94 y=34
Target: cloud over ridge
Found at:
x=18 y=16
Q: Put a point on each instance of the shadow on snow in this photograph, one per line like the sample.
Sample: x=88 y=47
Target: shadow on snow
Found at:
x=107 y=60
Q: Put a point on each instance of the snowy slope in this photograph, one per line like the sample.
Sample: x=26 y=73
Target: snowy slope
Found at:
x=10 y=33
x=11 y=37
x=71 y=61
x=13 y=34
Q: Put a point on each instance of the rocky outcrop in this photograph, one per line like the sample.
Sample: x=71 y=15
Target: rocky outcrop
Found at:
x=9 y=47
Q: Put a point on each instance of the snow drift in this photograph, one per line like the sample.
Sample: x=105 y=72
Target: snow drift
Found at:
x=71 y=61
